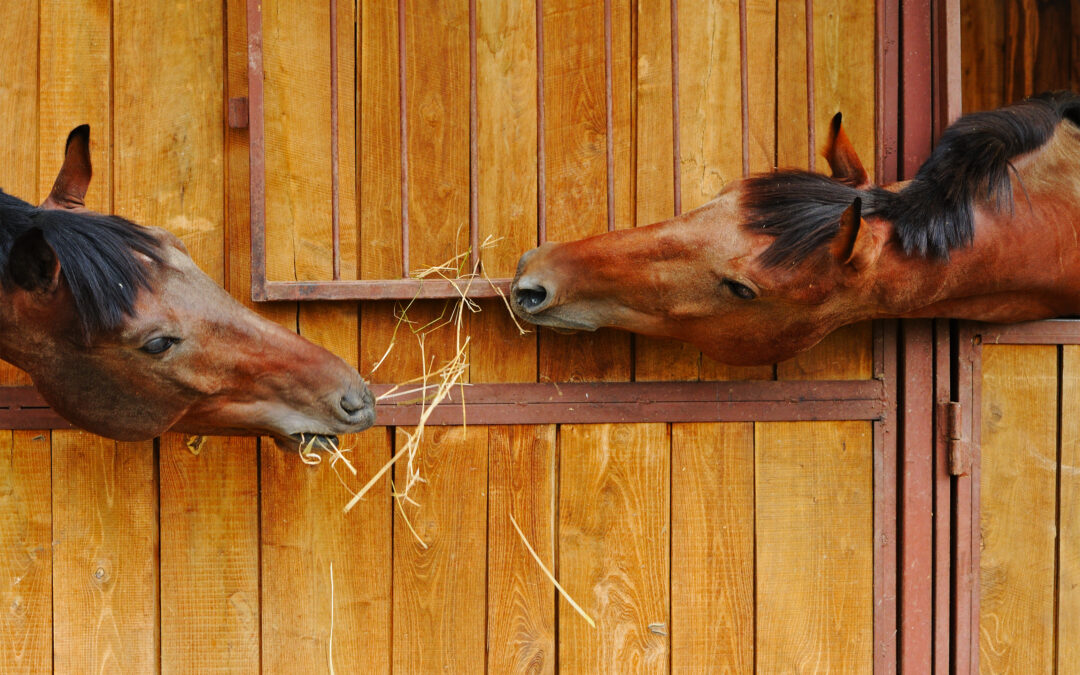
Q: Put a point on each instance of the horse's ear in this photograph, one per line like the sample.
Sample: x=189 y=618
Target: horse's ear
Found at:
x=854 y=245
x=842 y=158
x=32 y=263
x=69 y=190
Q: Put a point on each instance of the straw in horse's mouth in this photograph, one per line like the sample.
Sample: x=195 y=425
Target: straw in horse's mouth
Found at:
x=309 y=443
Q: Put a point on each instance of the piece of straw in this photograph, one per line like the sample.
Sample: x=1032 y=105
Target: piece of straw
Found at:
x=549 y=575
x=330 y=642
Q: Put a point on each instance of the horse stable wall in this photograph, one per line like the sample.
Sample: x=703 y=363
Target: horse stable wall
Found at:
x=1026 y=599
x=743 y=546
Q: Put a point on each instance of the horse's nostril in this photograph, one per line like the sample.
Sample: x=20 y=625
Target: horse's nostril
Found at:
x=352 y=403
x=531 y=299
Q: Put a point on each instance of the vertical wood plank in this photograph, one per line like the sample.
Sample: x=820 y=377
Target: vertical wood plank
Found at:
x=576 y=171
x=791 y=127
x=521 y=600
x=845 y=354
x=815 y=568
x=614 y=522
x=26 y=546
x=440 y=592
x=105 y=552
x=304 y=533
x=507 y=175
x=296 y=63
x=437 y=115
x=75 y=63
x=379 y=141
x=712 y=531
x=1018 y=488
x=982 y=43
x=380 y=175
x=209 y=555
x=710 y=121
x=19 y=104
x=761 y=28
x=168 y=166
x=1068 y=585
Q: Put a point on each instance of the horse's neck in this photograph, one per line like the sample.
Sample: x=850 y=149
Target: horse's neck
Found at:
x=1024 y=262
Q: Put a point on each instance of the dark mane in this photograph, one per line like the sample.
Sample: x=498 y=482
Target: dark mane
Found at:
x=934 y=213
x=97 y=254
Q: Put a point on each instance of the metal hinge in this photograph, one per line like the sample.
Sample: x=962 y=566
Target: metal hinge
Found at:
x=958 y=447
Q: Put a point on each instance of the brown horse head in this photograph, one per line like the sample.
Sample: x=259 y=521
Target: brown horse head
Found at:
x=125 y=337
x=779 y=260
x=703 y=278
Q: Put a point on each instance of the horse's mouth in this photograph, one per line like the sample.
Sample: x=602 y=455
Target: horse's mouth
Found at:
x=307 y=442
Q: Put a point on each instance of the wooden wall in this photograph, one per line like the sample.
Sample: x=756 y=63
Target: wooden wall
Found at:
x=740 y=546
x=1029 y=599
x=1015 y=48
x=1029 y=596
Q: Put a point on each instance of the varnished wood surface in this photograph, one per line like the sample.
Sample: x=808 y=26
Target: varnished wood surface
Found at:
x=143 y=556
x=1019 y=517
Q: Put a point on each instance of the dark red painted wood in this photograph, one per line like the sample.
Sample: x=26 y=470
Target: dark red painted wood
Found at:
x=916 y=558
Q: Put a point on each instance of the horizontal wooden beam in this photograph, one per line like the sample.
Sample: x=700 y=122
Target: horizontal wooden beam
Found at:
x=1052 y=332
x=392 y=289
x=579 y=403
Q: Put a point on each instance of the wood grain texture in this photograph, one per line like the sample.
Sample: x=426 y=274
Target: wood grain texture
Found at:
x=380 y=174
x=105 y=554
x=437 y=115
x=506 y=76
x=379 y=138
x=1018 y=489
x=845 y=354
x=19 y=33
x=296 y=62
x=440 y=592
x=521 y=600
x=1068 y=562
x=168 y=163
x=209 y=555
x=614 y=525
x=304 y=533
x=815 y=568
x=576 y=173
x=75 y=64
x=25 y=552
x=712 y=533
x=506 y=84
x=761 y=32
x=982 y=43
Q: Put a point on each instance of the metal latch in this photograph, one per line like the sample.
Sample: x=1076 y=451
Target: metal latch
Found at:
x=957 y=446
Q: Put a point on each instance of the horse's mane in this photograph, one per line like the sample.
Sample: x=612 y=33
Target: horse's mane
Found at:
x=933 y=214
x=98 y=256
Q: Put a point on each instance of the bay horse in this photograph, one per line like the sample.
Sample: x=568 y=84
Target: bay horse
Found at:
x=988 y=229
x=126 y=337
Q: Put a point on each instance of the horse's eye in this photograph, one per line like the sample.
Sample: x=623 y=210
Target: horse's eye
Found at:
x=740 y=290
x=159 y=345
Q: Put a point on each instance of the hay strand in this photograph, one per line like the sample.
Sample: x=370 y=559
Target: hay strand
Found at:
x=549 y=575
